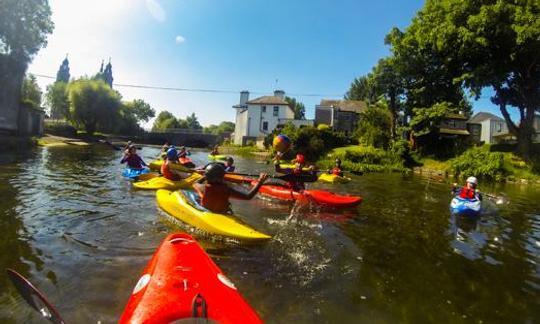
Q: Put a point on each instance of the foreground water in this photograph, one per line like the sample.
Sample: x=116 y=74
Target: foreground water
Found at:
x=78 y=230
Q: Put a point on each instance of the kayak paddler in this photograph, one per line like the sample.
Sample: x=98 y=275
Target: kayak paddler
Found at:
x=166 y=171
x=229 y=164
x=336 y=170
x=215 y=150
x=215 y=193
x=183 y=152
x=468 y=191
x=298 y=175
x=132 y=159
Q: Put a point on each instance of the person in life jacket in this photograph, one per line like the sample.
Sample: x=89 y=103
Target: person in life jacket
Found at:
x=164 y=149
x=132 y=159
x=215 y=150
x=298 y=174
x=229 y=164
x=183 y=152
x=215 y=193
x=468 y=191
x=166 y=171
x=337 y=168
x=128 y=145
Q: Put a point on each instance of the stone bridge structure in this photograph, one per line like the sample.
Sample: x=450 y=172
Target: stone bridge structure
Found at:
x=186 y=137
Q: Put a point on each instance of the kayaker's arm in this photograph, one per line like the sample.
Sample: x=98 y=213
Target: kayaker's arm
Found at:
x=252 y=192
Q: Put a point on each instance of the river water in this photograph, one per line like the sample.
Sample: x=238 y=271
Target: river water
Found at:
x=77 y=229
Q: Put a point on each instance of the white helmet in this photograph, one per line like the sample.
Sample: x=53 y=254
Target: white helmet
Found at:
x=472 y=180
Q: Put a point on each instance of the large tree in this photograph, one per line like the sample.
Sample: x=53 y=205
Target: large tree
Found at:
x=374 y=126
x=363 y=88
x=193 y=122
x=141 y=110
x=31 y=92
x=487 y=43
x=298 y=108
x=24 y=26
x=56 y=98
x=93 y=104
x=165 y=120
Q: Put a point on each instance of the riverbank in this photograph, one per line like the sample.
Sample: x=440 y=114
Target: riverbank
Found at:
x=245 y=151
x=54 y=140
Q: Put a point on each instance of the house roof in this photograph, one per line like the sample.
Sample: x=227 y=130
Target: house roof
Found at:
x=356 y=106
x=268 y=100
x=481 y=116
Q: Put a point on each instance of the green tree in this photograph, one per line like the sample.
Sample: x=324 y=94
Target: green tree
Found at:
x=373 y=127
x=93 y=104
x=24 y=26
x=141 y=110
x=486 y=43
x=363 y=88
x=165 y=120
x=31 y=92
x=426 y=120
x=192 y=122
x=56 y=98
x=298 y=108
x=223 y=127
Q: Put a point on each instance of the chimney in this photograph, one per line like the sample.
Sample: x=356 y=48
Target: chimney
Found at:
x=279 y=93
x=244 y=97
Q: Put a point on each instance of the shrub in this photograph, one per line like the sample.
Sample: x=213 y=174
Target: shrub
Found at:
x=479 y=162
x=365 y=159
x=60 y=129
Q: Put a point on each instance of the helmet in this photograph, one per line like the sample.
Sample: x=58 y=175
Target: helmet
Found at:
x=172 y=154
x=300 y=158
x=230 y=159
x=472 y=180
x=338 y=161
x=214 y=172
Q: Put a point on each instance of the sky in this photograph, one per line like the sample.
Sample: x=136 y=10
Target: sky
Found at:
x=311 y=49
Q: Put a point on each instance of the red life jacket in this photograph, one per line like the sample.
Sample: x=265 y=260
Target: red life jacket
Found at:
x=167 y=173
x=216 y=198
x=337 y=171
x=467 y=193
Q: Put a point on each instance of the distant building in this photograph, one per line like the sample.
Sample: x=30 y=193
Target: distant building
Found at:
x=487 y=128
x=105 y=74
x=63 y=72
x=453 y=125
x=341 y=115
x=259 y=117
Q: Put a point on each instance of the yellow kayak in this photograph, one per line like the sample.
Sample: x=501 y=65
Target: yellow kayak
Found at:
x=156 y=166
x=184 y=205
x=164 y=183
x=332 y=178
x=291 y=166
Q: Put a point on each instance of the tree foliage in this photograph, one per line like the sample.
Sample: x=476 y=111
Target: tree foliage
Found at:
x=373 y=128
x=93 y=104
x=298 y=108
x=140 y=110
x=192 y=122
x=363 y=88
x=223 y=127
x=425 y=120
x=31 y=92
x=485 y=43
x=165 y=120
x=56 y=98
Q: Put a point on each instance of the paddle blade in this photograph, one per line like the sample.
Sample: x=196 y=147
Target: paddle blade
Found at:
x=34 y=297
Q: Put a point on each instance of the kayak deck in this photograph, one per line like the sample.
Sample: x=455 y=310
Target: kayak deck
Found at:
x=332 y=178
x=319 y=196
x=179 y=275
x=164 y=183
x=184 y=206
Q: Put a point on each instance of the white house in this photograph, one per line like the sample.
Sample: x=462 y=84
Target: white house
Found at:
x=491 y=127
x=259 y=117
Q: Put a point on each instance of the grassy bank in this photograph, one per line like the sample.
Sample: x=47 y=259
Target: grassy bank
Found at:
x=244 y=151
x=487 y=165
x=365 y=159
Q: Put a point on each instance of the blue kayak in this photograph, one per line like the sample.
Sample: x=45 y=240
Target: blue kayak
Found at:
x=134 y=173
x=464 y=206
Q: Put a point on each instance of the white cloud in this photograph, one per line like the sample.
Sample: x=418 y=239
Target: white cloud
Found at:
x=179 y=39
x=156 y=10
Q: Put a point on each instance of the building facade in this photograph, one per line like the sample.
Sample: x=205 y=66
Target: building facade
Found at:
x=491 y=128
x=259 y=117
x=341 y=115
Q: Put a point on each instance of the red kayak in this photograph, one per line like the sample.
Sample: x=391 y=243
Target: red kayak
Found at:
x=321 y=197
x=181 y=282
x=187 y=162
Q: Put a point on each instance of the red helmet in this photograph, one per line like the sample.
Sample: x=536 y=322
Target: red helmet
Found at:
x=300 y=158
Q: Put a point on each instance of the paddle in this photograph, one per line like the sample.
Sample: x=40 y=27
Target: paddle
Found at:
x=114 y=147
x=34 y=297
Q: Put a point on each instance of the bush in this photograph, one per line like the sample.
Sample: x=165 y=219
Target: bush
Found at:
x=310 y=141
x=365 y=159
x=479 y=162
x=60 y=129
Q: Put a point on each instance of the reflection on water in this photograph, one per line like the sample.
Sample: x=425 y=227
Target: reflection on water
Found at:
x=78 y=230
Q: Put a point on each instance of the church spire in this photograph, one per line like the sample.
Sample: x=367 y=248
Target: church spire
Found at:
x=107 y=74
x=63 y=71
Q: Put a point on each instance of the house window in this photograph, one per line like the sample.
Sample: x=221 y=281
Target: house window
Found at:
x=265 y=126
x=263 y=109
x=276 y=110
x=499 y=127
